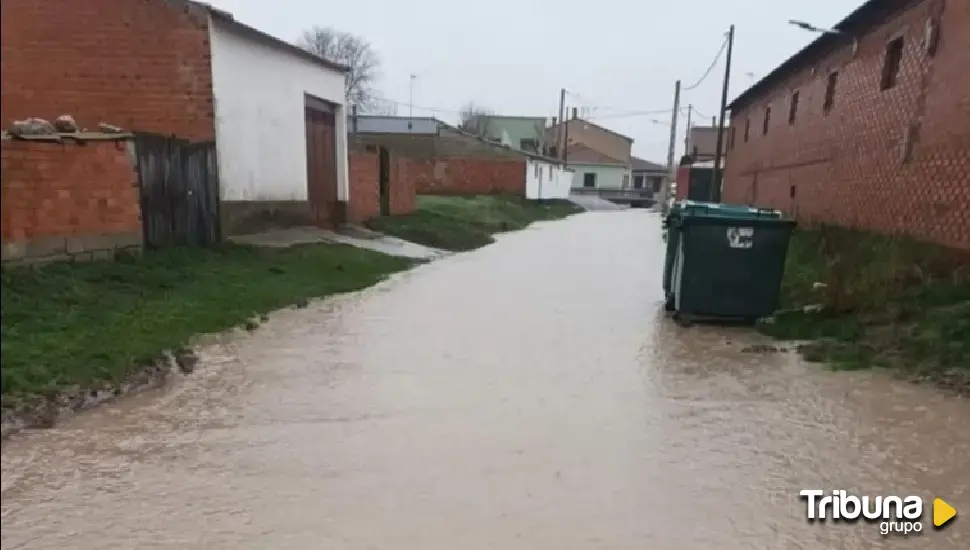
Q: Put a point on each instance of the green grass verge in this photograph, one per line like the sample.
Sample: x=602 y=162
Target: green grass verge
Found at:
x=87 y=323
x=465 y=223
x=887 y=302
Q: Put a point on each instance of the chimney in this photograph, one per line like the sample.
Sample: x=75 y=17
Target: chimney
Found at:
x=574 y=113
x=555 y=120
x=714 y=121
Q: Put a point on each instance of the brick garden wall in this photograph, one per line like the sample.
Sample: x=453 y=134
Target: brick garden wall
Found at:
x=850 y=166
x=143 y=65
x=469 y=176
x=365 y=188
x=63 y=201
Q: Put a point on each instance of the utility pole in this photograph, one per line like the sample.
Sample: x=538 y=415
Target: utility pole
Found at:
x=560 y=148
x=411 y=101
x=717 y=184
x=671 y=167
x=690 y=110
x=565 y=139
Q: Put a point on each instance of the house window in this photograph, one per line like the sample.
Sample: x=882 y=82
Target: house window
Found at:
x=589 y=179
x=626 y=181
x=890 y=63
x=733 y=135
x=552 y=151
x=528 y=144
x=830 y=92
x=657 y=184
x=747 y=129
x=764 y=128
x=793 y=110
x=638 y=182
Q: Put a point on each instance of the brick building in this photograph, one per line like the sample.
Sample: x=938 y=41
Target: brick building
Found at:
x=866 y=128
x=52 y=209
x=276 y=113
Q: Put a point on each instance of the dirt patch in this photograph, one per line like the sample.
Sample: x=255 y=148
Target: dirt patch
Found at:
x=45 y=411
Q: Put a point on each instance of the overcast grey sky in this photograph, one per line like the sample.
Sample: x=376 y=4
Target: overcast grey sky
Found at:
x=513 y=56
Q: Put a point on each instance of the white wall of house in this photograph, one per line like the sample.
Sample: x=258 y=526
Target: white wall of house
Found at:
x=607 y=176
x=259 y=110
x=546 y=180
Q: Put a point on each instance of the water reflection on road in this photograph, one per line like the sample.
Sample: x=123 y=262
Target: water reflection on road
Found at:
x=528 y=395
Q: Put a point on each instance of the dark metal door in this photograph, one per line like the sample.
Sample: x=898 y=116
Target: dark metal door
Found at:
x=321 y=161
x=384 y=181
x=179 y=191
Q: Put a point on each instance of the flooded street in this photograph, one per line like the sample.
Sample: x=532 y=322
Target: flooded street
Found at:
x=529 y=395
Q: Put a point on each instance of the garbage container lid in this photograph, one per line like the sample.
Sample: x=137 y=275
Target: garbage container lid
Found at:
x=690 y=208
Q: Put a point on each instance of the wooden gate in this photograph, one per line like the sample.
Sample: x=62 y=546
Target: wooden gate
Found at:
x=321 y=156
x=179 y=191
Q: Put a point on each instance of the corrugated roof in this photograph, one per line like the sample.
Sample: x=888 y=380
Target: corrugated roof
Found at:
x=869 y=13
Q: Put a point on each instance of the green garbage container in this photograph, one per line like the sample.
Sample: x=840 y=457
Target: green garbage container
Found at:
x=672 y=224
x=728 y=261
x=672 y=237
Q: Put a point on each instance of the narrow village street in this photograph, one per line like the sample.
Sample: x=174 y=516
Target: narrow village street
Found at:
x=527 y=395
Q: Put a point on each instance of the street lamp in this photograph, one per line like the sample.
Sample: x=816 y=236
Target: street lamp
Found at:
x=812 y=28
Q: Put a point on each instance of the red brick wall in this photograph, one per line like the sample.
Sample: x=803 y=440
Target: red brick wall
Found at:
x=469 y=176
x=847 y=167
x=365 y=188
x=143 y=65
x=67 y=191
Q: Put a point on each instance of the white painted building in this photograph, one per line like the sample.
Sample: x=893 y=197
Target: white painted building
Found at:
x=600 y=176
x=545 y=179
x=281 y=126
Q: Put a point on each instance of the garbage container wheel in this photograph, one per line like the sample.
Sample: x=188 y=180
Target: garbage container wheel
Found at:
x=683 y=320
x=669 y=302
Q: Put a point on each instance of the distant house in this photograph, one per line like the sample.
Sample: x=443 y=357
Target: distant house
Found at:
x=647 y=175
x=445 y=160
x=518 y=132
x=594 y=170
x=702 y=142
x=579 y=132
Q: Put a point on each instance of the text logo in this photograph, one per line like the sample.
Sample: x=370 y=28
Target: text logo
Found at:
x=899 y=515
x=740 y=237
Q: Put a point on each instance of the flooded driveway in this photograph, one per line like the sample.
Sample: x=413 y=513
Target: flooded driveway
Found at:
x=529 y=395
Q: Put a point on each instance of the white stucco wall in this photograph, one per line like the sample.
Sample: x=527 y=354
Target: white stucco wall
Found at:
x=546 y=180
x=259 y=111
x=607 y=176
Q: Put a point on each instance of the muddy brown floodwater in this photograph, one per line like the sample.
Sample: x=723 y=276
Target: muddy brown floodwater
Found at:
x=529 y=395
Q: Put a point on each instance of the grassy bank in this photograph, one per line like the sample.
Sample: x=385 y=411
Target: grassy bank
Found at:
x=885 y=302
x=465 y=223
x=81 y=324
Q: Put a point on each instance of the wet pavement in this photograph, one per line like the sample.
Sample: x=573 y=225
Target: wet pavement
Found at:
x=529 y=395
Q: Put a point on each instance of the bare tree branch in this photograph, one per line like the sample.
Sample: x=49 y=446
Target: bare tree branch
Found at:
x=381 y=107
x=353 y=51
x=474 y=119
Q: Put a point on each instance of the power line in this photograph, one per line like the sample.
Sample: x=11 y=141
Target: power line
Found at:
x=619 y=110
x=709 y=69
x=422 y=107
x=619 y=113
